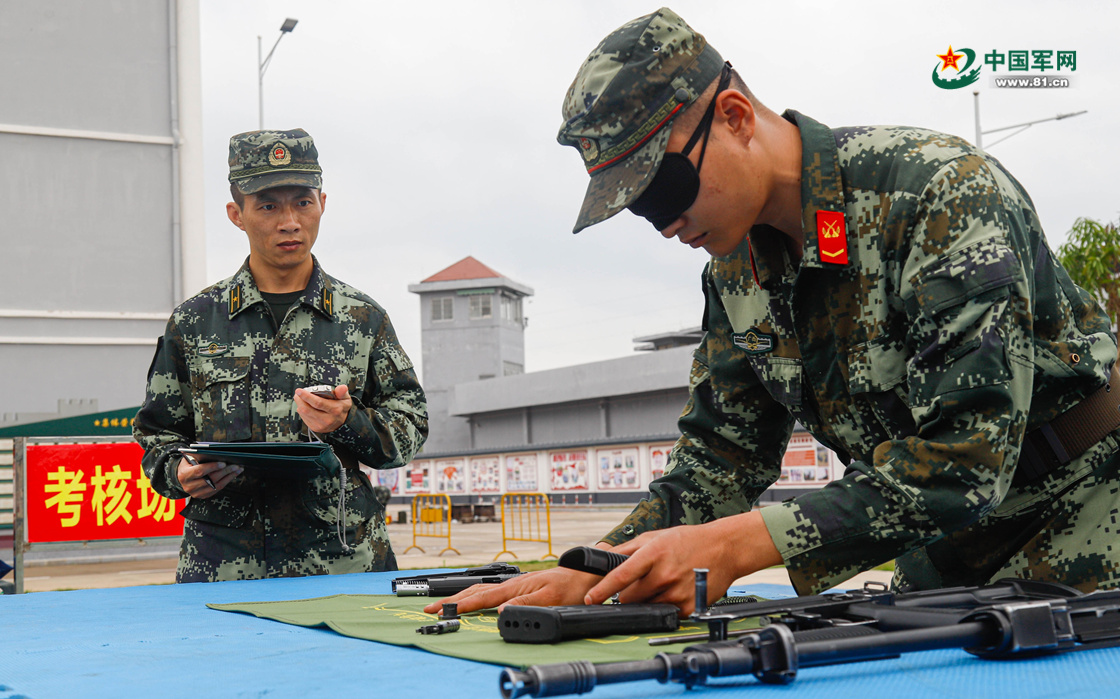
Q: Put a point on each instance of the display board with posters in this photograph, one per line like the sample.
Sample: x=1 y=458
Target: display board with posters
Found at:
x=486 y=476
x=521 y=473
x=659 y=459
x=802 y=465
x=569 y=470
x=418 y=477
x=451 y=475
x=618 y=469
x=390 y=478
x=93 y=492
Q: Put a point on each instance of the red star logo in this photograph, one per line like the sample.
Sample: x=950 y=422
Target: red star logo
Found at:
x=949 y=59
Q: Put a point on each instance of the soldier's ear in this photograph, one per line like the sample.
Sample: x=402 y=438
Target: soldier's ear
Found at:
x=234 y=213
x=736 y=110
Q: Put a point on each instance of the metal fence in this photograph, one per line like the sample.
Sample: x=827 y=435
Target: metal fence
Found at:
x=431 y=518
x=522 y=521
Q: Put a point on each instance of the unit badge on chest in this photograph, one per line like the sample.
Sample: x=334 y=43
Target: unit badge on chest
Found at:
x=212 y=350
x=753 y=341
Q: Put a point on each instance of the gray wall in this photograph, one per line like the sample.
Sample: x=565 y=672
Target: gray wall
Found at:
x=93 y=224
x=77 y=64
x=609 y=419
x=98 y=125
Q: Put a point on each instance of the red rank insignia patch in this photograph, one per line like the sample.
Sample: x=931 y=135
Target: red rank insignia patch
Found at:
x=832 y=238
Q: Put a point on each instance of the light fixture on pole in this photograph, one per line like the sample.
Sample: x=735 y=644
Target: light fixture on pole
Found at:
x=262 y=65
x=1021 y=127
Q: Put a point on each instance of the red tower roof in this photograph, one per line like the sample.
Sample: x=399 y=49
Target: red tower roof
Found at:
x=466 y=268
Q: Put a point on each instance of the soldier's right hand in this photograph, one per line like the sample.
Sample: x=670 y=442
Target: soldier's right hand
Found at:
x=542 y=588
x=205 y=479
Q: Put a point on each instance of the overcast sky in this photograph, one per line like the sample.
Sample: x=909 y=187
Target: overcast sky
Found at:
x=436 y=124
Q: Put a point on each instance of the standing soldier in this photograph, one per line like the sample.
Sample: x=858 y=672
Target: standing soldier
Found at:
x=232 y=366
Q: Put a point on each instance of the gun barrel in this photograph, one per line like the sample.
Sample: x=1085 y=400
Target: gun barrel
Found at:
x=582 y=676
x=773 y=654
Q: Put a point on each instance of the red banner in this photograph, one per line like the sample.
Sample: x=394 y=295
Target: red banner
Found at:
x=94 y=492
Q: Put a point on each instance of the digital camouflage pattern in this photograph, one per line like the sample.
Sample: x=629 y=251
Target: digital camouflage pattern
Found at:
x=259 y=160
x=221 y=373
x=627 y=92
x=951 y=332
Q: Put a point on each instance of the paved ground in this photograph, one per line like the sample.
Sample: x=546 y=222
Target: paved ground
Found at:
x=477 y=543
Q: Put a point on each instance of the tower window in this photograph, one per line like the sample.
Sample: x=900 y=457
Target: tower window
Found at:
x=511 y=309
x=442 y=308
x=481 y=307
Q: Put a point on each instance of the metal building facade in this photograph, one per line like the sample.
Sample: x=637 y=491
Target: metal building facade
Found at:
x=100 y=161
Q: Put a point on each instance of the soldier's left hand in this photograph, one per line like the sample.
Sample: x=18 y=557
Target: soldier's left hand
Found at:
x=323 y=415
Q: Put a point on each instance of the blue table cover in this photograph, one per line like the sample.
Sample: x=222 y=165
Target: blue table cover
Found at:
x=161 y=640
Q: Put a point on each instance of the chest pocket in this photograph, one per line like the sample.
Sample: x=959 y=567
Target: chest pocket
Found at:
x=877 y=384
x=222 y=398
x=782 y=378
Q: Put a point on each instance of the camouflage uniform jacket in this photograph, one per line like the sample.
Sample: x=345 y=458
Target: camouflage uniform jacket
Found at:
x=221 y=373
x=924 y=360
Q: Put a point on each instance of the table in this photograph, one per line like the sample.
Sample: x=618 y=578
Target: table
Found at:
x=161 y=640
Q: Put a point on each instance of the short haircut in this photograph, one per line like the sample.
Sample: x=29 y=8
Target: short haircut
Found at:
x=691 y=117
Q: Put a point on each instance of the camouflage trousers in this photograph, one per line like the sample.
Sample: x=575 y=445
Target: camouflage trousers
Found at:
x=285 y=534
x=1066 y=531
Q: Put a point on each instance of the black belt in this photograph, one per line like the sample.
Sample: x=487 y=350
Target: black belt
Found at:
x=1071 y=434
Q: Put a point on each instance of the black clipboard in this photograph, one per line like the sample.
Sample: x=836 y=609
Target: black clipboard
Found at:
x=272 y=459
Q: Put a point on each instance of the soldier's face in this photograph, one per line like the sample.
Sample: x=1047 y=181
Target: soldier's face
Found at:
x=730 y=198
x=282 y=224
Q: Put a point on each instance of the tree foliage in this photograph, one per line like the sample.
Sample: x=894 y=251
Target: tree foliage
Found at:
x=1091 y=255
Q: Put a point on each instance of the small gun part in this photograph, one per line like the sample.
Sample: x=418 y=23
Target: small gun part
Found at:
x=440 y=627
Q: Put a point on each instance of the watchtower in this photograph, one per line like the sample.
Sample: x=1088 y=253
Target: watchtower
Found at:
x=472 y=327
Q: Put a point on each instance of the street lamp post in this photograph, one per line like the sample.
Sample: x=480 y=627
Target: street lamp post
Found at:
x=262 y=65
x=1021 y=127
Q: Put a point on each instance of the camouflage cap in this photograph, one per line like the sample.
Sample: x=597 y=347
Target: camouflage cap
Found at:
x=626 y=93
x=259 y=160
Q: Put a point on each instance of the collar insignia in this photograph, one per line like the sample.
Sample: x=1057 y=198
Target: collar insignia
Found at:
x=832 y=239
x=234 y=299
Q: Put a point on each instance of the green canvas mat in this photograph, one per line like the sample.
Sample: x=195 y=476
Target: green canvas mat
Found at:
x=391 y=619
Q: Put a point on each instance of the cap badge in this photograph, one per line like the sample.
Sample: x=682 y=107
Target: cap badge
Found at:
x=589 y=149
x=279 y=155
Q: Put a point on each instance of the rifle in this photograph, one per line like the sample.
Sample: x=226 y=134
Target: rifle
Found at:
x=444 y=584
x=1008 y=618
